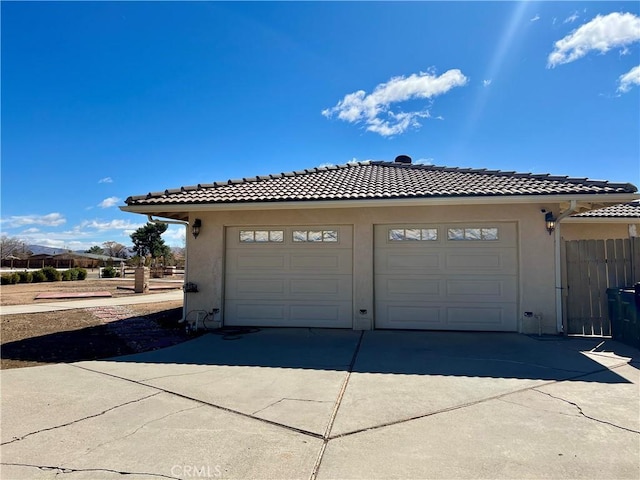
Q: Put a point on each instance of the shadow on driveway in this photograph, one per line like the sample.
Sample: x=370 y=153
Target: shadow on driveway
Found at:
x=465 y=354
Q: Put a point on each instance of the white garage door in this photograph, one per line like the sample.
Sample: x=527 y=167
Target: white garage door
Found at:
x=446 y=277
x=289 y=276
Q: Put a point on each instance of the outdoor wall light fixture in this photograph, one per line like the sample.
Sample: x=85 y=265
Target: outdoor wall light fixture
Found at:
x=550 y=221
x=195 y=228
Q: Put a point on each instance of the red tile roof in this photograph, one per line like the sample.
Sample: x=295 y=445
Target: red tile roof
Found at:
x=378 y=180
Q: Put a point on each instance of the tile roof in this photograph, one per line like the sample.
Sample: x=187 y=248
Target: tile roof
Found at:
x=622 y=210
x=378 y=180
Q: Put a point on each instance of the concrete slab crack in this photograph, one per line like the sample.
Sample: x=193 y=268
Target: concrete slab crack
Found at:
x=336 y=407
x=176 y=375
x=582 y=414
x=17 y=439
x=290 y=399
x=141 y=427
x=63 y=470
x=209 y=404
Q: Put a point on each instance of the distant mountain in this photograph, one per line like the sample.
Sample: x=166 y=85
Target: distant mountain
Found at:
x=41 y=249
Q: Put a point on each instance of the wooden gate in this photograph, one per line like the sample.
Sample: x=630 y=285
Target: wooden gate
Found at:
x=590 y=267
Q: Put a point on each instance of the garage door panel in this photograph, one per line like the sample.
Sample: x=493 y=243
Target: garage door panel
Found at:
x=327 y=262
x=495 y=318
x=414 y=316
x=482 y=289
x=295 y=287
x=290 y=314
x=256 y=286
x=409 y=261
x=318 y=286
x=254 y=261
x=253 y=312
x=407 y=288
x=504 y=260
x=316 y=313
x=440 y=316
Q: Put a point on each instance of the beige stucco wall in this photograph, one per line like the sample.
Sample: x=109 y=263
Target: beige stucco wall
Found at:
x=597 y=231
x=205 y=262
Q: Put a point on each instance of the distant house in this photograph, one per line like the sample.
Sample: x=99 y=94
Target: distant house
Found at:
x=64 y=260
x=384 y=245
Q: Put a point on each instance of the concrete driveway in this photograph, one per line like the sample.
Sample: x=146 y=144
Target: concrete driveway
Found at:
x=326 y=404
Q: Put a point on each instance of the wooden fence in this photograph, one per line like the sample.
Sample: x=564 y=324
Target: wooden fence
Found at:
x=590 y=268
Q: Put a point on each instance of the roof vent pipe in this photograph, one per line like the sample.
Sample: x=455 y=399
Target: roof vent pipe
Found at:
x=403 y=159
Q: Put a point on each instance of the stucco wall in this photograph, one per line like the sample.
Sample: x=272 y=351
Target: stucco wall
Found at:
x=596 y=231
x=205 y=262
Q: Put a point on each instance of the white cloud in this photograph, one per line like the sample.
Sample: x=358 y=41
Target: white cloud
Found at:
x=30 y=231
x=175 y=235
x=109 y=202
x=535 y=18
x=424 y=161
x=571 y=18
x=105 y=180
x=629 y=79
x=601 y=34
x=108 y=225
x=374 y=110
x=49 y=220
x=486 y=83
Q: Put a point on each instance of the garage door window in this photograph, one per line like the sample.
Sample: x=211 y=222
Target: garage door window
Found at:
x=315 y=236
x=472 y=234
x=413 y=234
x=261 y=236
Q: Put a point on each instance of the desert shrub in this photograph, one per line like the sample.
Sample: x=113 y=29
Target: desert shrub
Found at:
x=51 y=274
x=25 y=277
x=38 y=276
x=7 y=279
x=109 y=272
x=74 y=274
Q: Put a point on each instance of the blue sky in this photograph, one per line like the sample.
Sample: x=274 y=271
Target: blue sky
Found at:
x=102 y=100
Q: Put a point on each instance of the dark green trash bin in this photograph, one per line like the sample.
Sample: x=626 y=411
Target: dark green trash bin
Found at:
x=624 y=314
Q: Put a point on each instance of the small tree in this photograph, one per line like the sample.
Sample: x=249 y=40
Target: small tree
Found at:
x=13 y=247
x=178 y=255
x=147 y=240
x=95 y=250
x=114 y=249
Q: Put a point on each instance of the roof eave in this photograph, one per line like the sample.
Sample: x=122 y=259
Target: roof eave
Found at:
x=625 y=220
x=180 y=211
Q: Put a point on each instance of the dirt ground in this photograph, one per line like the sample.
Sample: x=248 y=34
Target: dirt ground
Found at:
x=24 y=293
x=84 y=334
